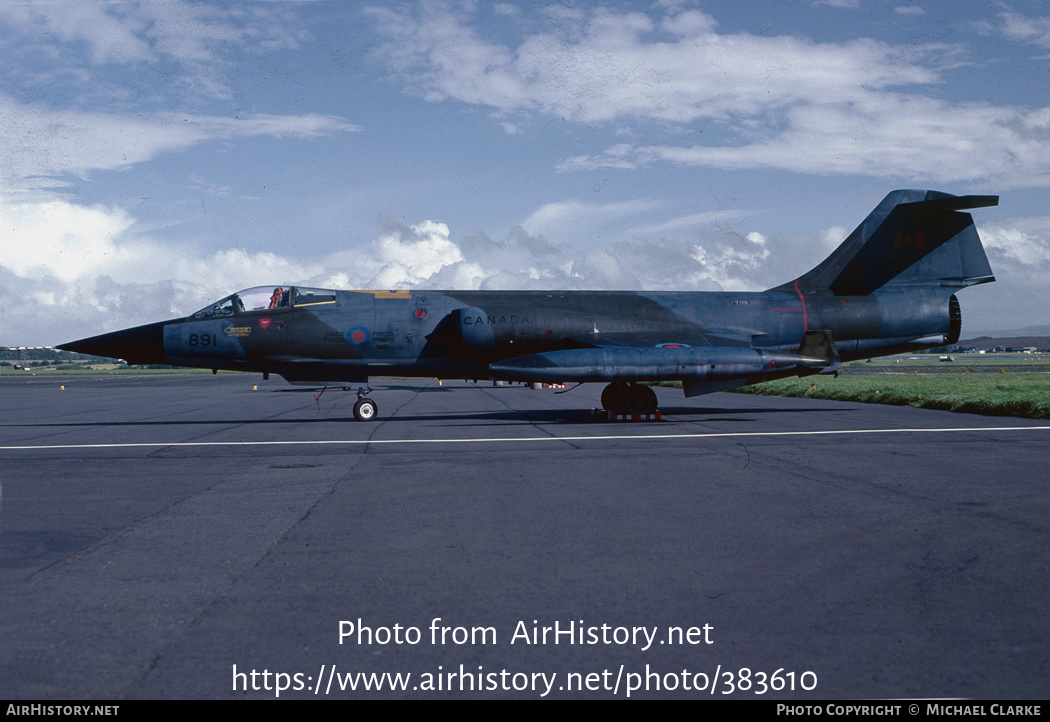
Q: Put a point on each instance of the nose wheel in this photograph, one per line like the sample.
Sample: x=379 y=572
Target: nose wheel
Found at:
x=629 y=398
x=365 y=409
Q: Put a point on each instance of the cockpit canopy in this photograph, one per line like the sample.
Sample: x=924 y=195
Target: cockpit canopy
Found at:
x=264 y=298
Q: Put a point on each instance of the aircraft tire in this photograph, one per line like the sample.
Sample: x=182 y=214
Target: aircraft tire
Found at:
x=641 y=399
x=655 y=402
x=365 y=410
x=614 y=397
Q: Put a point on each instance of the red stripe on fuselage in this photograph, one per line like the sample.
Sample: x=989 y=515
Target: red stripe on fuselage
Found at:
x=802 y=300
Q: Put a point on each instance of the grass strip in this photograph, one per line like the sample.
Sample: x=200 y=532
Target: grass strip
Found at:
x=1025 y=395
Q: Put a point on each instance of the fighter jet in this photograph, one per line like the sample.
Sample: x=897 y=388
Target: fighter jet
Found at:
x=889 y=288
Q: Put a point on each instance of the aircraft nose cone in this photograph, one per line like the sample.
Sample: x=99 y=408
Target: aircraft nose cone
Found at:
x=139 y=345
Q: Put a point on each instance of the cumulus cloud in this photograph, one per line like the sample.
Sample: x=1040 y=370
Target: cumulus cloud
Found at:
x=831 y=108
x=1018 y=251
x=71 y=270
x=1019 y=246
x=401 y=256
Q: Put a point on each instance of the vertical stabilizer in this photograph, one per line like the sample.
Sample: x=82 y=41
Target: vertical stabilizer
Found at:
x=913 y=237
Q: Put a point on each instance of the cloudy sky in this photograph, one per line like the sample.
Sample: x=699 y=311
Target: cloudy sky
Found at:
x=157 y=155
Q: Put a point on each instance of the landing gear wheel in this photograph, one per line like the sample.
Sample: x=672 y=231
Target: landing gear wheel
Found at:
x=629 y=398
x=641 y=400
x=365 y=409
x=614 y=397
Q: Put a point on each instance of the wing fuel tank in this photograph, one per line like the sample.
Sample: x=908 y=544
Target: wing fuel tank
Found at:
x=651 y=364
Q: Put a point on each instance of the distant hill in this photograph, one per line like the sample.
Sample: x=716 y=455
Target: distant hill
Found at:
x=1043 y=330
x=1041 y=342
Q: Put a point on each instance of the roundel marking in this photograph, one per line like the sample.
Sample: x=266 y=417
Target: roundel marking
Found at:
x=358 y=335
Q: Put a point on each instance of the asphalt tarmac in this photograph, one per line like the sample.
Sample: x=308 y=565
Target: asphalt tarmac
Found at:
x=185 y=536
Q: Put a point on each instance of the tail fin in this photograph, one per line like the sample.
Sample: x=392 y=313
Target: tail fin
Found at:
x=914 y=238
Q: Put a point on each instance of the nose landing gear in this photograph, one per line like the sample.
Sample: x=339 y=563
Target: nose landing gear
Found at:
x=365 y=409
x=621 y=397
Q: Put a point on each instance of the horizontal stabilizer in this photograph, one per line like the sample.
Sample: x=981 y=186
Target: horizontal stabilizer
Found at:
x=957 y=203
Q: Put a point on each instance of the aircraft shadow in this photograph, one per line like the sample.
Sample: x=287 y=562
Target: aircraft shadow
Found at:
x=534 y=416
x=376 y=388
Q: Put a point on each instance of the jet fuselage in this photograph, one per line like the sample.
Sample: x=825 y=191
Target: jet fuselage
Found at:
x=460 y=334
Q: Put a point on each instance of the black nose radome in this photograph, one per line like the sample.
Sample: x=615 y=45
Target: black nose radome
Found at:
x=139 y=345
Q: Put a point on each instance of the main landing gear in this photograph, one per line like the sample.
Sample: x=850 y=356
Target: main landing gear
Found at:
x=622 y=397
x=365 y=409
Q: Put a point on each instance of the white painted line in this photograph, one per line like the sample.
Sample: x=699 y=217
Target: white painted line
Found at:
x=535 y=439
